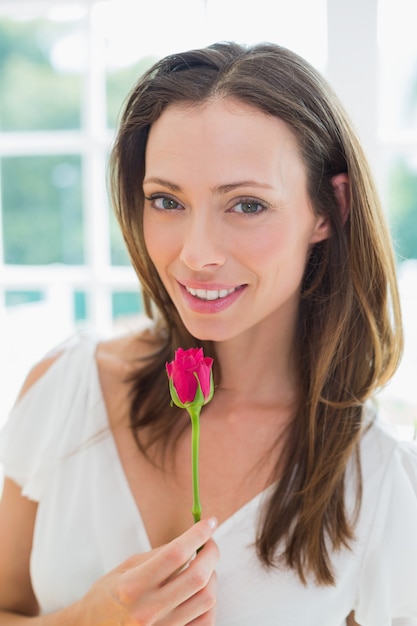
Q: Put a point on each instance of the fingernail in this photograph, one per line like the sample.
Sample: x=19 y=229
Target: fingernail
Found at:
x=212 y=522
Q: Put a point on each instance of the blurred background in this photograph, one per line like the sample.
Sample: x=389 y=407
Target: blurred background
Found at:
x=66 y=67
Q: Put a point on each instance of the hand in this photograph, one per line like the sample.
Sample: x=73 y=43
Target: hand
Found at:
x=164 y=587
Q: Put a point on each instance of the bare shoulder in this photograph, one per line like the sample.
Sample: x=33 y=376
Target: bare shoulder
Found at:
x=120 y=356
x=37 y=371
x=118 y=359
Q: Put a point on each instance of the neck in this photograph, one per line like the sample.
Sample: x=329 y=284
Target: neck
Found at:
x=256 y=369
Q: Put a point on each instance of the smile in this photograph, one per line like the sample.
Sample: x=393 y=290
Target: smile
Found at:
x=210 y=294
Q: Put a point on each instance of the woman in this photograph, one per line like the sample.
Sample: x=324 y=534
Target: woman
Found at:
x=252 y=221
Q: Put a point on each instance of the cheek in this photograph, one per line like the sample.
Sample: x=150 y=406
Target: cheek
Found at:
x=284 y=250
x=148 y=238
x=156 y=240
x=267 y=244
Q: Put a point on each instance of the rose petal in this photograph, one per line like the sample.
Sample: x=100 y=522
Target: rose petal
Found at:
x=182 y=370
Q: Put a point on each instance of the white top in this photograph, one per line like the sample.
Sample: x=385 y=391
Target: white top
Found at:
x=58 y=446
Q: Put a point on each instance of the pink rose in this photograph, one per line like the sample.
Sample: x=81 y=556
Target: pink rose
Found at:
x=189 y=372
x=191 y=386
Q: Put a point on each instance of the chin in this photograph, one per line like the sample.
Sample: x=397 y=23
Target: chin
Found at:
x=209 y=334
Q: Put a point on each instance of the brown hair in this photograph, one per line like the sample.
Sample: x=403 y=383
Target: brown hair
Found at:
x=349 y=329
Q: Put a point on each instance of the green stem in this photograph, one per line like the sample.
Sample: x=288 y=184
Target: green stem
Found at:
x=195 y=441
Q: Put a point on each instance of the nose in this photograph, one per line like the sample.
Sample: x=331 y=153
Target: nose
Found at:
x=202 y=246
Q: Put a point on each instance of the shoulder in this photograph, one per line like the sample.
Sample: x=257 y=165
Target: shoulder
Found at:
x=78 y=344
x=116 y=359
x=51 y=416
x=381 y=443
x=119 y=360
x=386 y=464
x=121 y=356
x=389 y=470
x=387 y=528
x=36 y=373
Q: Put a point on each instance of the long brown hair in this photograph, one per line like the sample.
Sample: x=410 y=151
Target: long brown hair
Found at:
x=349 y=328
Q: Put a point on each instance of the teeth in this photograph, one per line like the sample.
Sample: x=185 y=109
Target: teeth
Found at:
x=210 y=294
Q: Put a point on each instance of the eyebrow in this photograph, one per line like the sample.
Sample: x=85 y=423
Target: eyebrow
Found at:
x=218 y=189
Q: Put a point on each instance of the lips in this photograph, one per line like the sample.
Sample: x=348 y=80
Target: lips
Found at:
x=200 y=299
x=210 y=294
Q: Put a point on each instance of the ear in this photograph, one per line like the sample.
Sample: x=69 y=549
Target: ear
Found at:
x=321 y=229
x=340 y=184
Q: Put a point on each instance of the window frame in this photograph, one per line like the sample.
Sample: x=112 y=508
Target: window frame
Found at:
x=352 y=70
x=97 y=276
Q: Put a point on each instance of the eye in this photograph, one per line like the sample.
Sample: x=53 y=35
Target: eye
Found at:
x=249 y=206
x=164 y=203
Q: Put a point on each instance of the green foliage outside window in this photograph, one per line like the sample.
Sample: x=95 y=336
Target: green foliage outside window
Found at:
x=34 y=95
x=42 y=210
x=402 y=199
x=42 y=199
x=118 y=85
x=42 y=195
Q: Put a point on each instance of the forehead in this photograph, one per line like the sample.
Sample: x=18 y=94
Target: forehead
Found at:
x=219 y=135
x=227 y=114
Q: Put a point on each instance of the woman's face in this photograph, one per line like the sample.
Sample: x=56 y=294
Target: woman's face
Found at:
x=228 y=222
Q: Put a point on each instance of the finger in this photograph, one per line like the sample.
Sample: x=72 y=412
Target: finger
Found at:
x=193 y=579
x=188 y=583
x=174 y=555
x=198 y=609
x=146 y=580
x=135 y=560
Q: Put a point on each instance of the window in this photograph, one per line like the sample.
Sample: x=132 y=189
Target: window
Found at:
x=65 y=69
x=397 y=135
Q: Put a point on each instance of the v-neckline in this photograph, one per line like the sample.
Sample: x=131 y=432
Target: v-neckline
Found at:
x=226 y=525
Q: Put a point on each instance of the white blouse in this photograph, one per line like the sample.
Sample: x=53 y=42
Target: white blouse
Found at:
x=58 y=447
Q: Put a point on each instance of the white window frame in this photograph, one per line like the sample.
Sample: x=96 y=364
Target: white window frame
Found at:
x=97 y=276
x=352 y=69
